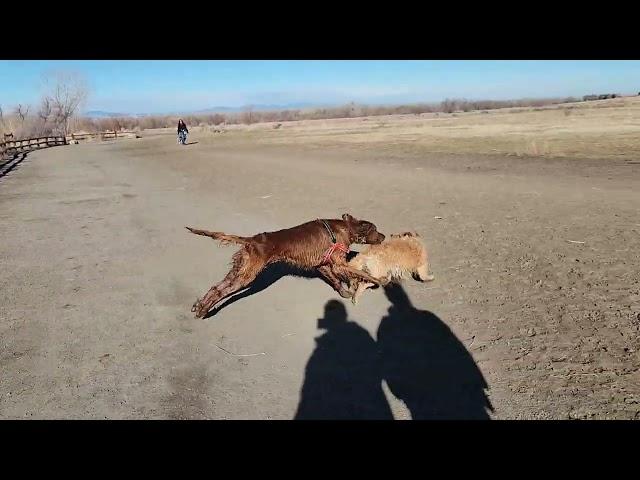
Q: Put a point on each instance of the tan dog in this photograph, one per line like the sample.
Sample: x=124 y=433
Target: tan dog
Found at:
x=401 y=256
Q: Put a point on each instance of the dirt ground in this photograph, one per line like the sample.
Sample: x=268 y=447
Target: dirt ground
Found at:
x=535 y=310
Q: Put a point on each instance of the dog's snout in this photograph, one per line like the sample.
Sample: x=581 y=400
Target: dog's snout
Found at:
x=381 y=237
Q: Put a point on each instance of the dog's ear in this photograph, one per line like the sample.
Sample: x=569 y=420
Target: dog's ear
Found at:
x=348 y=218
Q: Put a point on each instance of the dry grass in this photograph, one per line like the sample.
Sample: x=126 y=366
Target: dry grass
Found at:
x=600 y=129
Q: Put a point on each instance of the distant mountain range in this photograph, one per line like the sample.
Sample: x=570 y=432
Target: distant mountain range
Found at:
x=102 y=114
x=259 y=108
x=220 y=109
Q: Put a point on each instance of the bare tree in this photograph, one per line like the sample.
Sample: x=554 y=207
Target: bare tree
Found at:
x=66 y=92
x=248 y=115
x=45 y=109
x=44 y=115
x=22 y=111
x=448 y=105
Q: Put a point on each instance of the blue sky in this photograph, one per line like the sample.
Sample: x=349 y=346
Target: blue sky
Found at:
x=156 y=86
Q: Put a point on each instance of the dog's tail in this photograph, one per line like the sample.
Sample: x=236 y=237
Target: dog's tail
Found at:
x=223 y=238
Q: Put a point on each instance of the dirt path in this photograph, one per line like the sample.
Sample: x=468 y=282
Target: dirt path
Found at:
x=537 y=287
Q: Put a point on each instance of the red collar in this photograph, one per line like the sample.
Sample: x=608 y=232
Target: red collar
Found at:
x=336 y=246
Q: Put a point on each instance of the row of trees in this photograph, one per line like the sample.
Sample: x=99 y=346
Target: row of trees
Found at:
x=66 y=92
x=250 y=116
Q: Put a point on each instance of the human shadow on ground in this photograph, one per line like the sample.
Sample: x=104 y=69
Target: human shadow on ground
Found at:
x=426 y=366
x=343 y=375
x=416 y=354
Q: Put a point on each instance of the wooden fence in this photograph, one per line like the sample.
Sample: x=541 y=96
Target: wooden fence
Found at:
x=14 y=147
x=102 y=135
x=9 y=146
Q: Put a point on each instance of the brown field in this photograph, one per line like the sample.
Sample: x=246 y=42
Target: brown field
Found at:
x=531 y=219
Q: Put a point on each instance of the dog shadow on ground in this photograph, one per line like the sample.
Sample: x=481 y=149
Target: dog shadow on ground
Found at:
x=267 y=277
x=191 y=143
x=416 y=354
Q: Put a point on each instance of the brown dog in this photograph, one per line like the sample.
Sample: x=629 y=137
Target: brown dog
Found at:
x=401 y=256
x=319 y=244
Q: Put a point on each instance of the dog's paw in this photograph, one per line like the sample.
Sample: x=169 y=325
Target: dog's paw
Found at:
x=199 y=309
x=195 y=305
x=345 y=294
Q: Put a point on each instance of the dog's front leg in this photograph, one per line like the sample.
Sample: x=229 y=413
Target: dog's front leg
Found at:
x=328 y=273
x=347 y=271
x=354 y=283
x=362 y=286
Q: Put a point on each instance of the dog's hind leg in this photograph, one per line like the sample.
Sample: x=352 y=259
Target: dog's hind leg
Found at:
x=244 y=271
x=423 y=273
